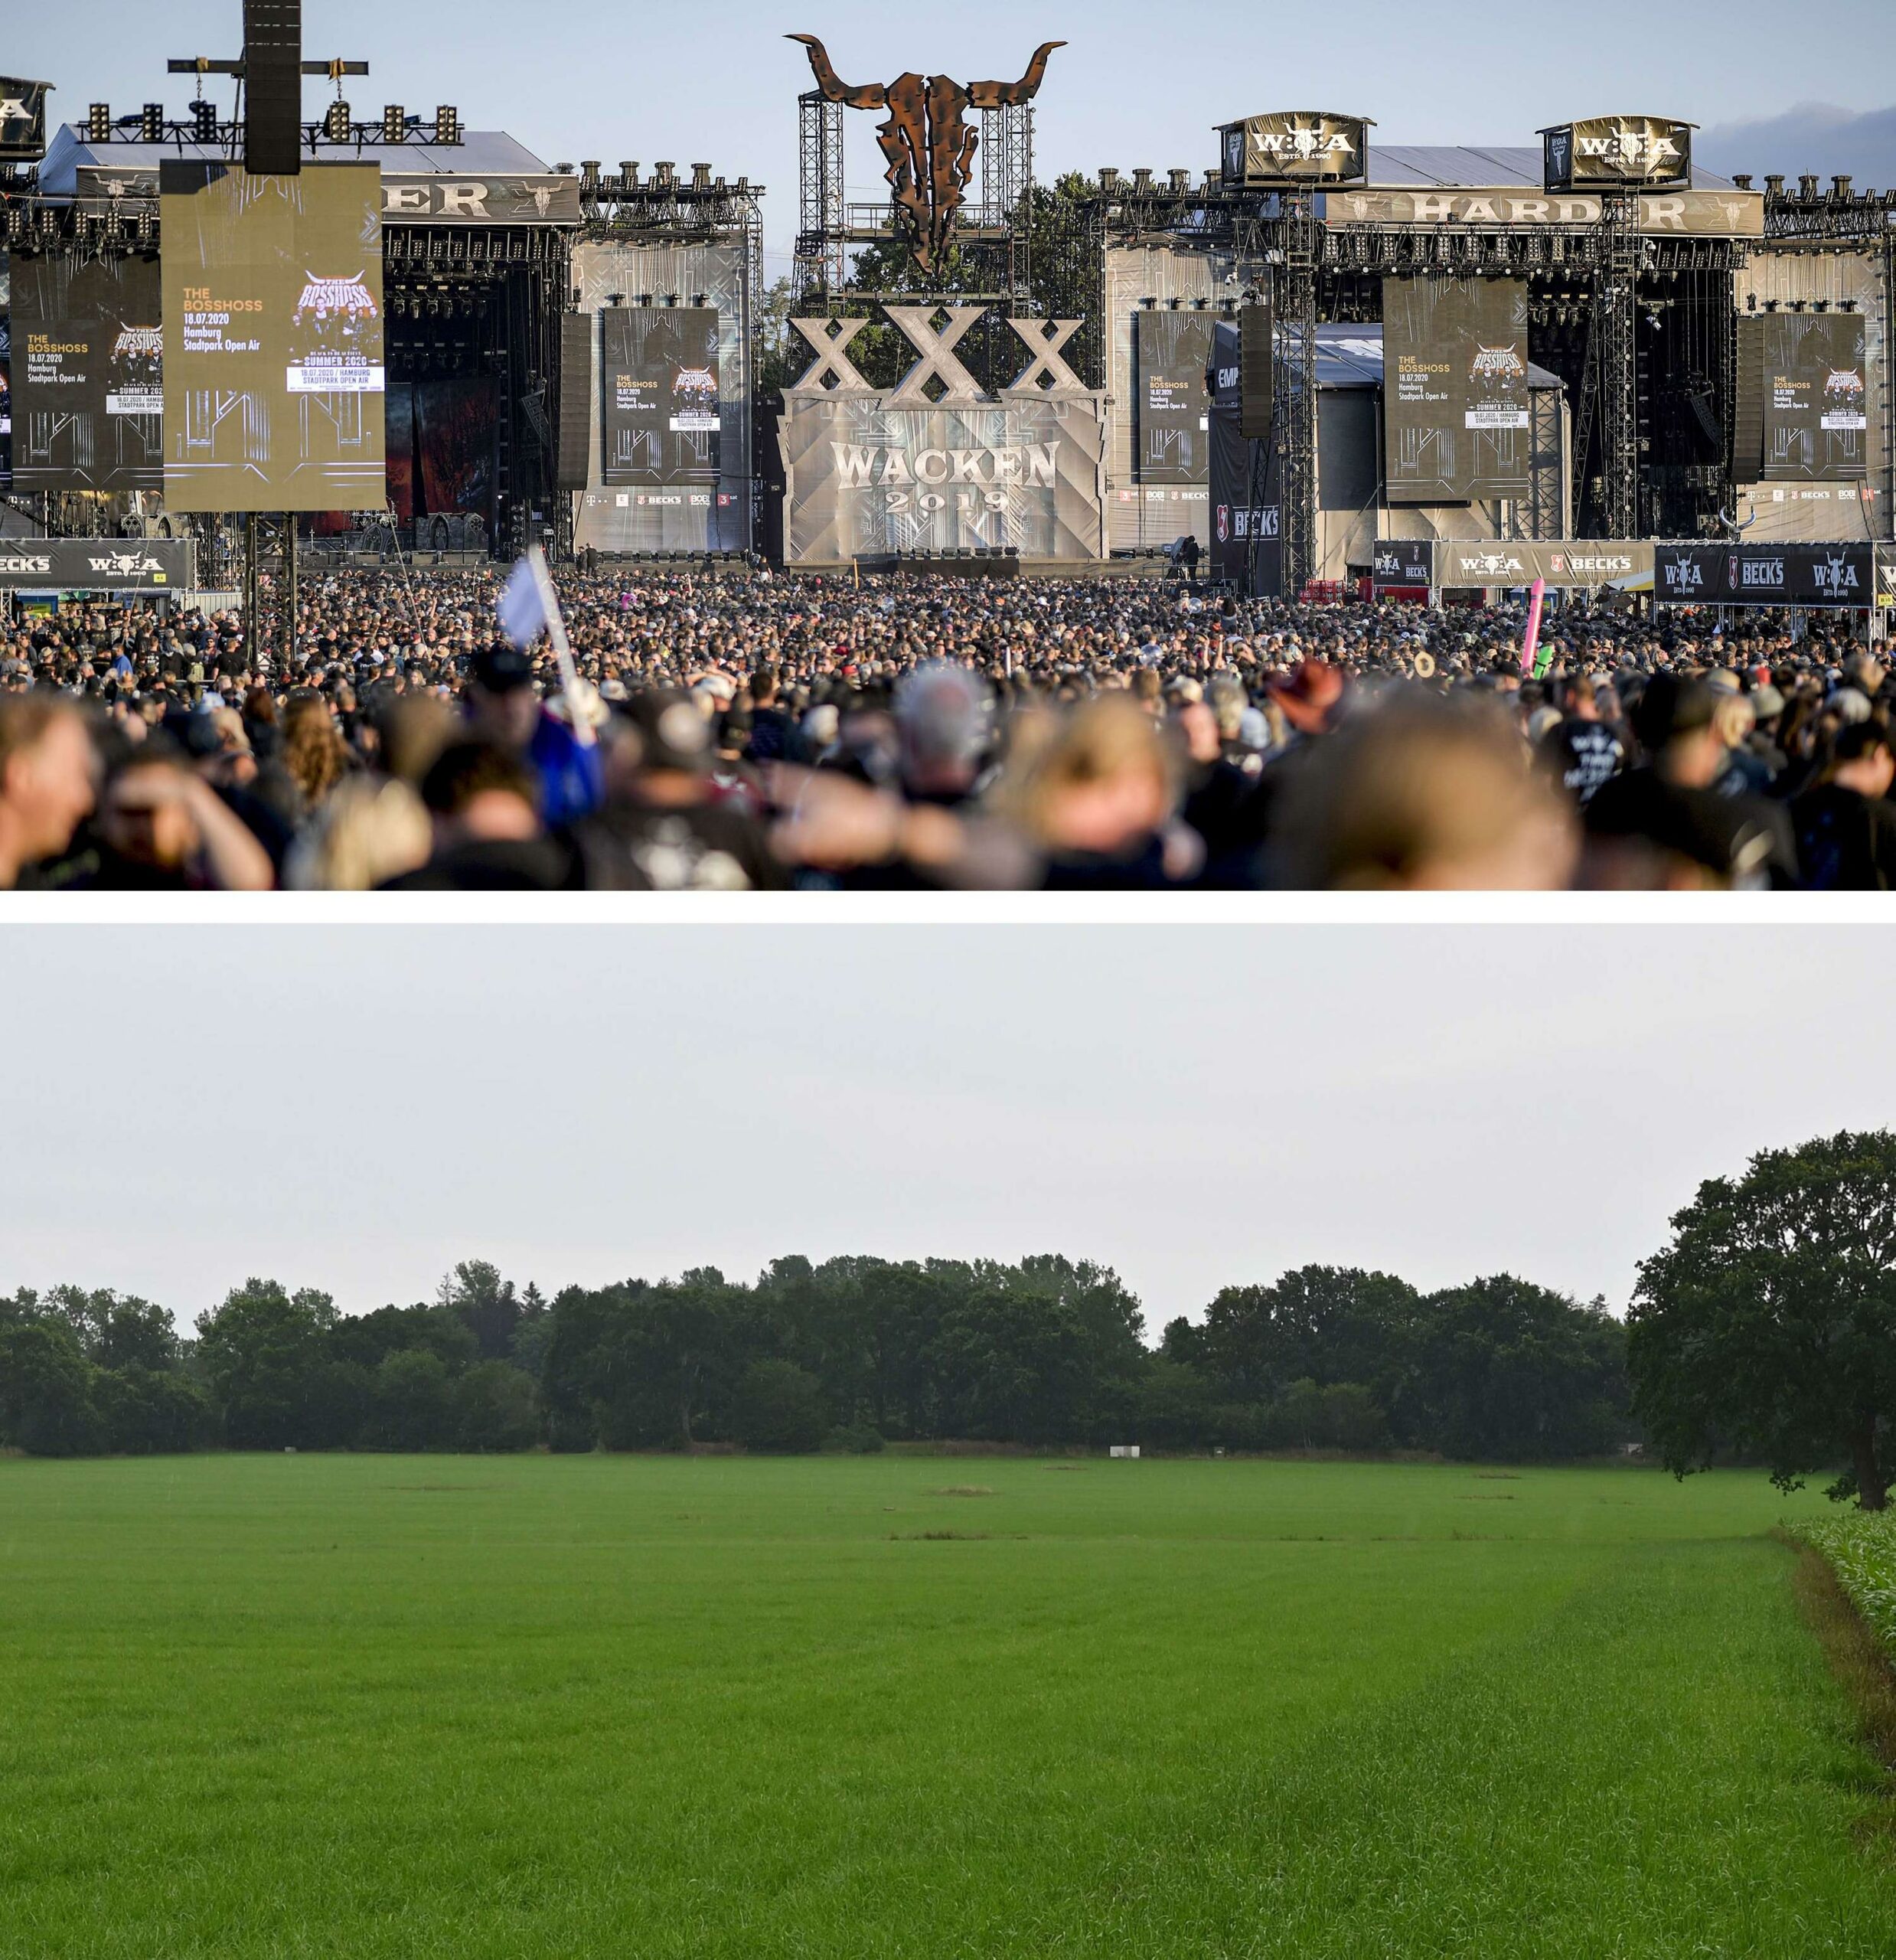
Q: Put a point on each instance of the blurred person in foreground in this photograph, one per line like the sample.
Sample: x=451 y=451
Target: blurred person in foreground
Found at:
x=161 y=827
x=1844 y=822
x=46 y=767
x=1662 y=824
x=1422 y=792
x=504 y=706
x=482 y=801
x=664 y=823
x=1099 y=799
x=370 y=832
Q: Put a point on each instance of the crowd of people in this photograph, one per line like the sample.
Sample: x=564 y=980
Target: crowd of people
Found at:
x=744 y=730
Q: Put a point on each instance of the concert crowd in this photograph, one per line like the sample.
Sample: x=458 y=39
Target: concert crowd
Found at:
x=747 y=730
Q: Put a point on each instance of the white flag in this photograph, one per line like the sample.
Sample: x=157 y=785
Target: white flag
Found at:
x=522 y=613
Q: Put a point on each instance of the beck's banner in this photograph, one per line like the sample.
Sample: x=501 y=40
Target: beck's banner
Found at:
x=98 y=564
x=1584 y=566
x=1611 y=151
x=1405 y=562
x=1815 y=398
x=1765 y=574
x=863 y=480
x=1454 y=389
x=1171 y=350
x=658 y=394
x=22 y=120
x=1310 y=146
x=88 y=375
x=274 y=374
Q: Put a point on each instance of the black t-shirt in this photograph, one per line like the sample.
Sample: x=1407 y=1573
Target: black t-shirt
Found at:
x=1846 y=842
x=532 y=863
x=708 y=846
x=1742 y=838
x=769 y=735
x=1588 y=755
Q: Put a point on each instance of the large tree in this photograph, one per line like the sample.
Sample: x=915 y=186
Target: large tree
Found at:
x=261 y=1350
x=1768 y=1324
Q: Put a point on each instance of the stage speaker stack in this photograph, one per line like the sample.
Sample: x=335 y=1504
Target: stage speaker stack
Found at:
x=576 y=399
x=1253 y=373
x=273 y=86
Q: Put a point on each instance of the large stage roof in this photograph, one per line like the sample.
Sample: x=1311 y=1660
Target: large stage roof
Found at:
x=480 y=153
x=1477 y=167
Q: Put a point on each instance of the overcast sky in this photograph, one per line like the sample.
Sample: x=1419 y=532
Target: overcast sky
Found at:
x=358 y=1109
x=1138 y=83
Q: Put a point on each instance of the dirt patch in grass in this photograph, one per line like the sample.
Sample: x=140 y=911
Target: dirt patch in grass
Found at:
x=444 y=1487
x=962 y=1491
x=1484 y=1497
x=1857 y=1657
x=1066 y=1466
x=1499 y=1476
x=932 y=1537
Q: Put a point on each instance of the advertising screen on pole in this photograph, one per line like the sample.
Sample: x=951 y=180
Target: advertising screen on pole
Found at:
x=1815 y=398
x=1171 y=349
x=1455 y=397
x=274 y=375
x=659 y=392
x=88 y=389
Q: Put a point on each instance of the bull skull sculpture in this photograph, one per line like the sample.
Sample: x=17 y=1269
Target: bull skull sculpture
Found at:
x=929 y=146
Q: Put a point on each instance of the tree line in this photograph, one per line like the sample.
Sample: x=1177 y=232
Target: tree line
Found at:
x=846 y=1353
x=1764 y=1332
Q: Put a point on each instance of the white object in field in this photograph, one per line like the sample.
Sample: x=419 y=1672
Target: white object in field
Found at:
x=1122 y=1450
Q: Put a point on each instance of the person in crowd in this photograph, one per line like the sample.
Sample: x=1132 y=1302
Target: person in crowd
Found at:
x=482 y=799
x=1846 y=823
x=47 y=766
x=160 y=826
x=1662 y=822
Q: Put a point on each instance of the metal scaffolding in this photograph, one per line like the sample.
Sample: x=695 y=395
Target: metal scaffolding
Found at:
x=1615 y=301
x=1295 y=377
x=1007 y=167
x=822 y=257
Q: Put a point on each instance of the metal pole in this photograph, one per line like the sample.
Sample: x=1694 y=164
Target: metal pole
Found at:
x=252 y=625
x=289 y=592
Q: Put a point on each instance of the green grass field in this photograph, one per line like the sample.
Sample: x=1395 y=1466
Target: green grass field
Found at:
x=613 y=1706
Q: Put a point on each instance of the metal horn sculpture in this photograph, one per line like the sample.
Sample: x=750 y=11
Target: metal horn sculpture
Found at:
x=929 y=144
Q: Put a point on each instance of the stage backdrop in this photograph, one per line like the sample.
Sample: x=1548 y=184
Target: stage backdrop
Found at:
x=1141 y=512
x=1455 y=406
x=864 y=480
x=87 y=382
x=274 y=374
x=711 y=510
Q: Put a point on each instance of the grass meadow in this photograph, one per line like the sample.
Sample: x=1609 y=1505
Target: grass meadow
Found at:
x=371 y=1706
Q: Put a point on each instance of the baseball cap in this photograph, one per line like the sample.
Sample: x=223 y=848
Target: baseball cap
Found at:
x=502 y=668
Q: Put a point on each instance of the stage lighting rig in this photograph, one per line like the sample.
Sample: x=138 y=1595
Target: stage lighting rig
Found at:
x=271 y=70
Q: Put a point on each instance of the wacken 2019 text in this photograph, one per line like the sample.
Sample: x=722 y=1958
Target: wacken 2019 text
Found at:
x=1030 y=464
